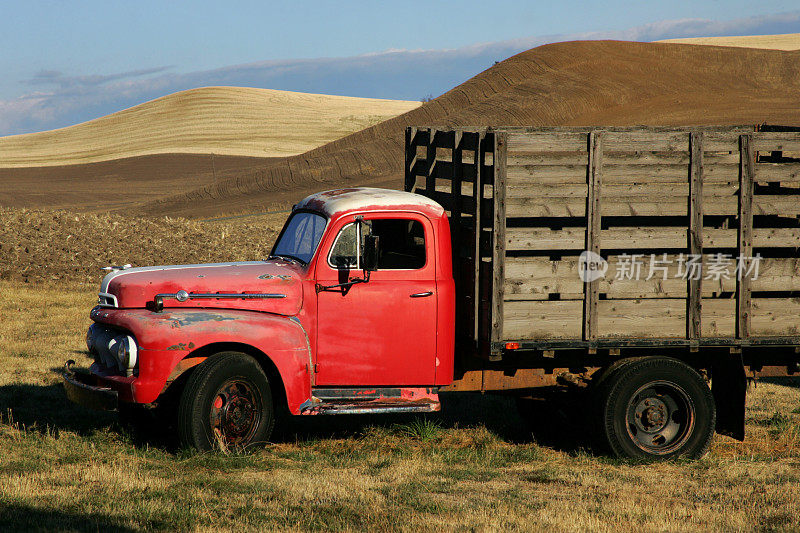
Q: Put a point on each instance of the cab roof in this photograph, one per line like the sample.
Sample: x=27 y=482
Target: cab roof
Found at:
x=340 y=201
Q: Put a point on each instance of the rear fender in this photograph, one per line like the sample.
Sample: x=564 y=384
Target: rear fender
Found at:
x=174 y=341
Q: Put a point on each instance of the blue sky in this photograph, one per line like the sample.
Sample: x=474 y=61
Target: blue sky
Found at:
x=67 y=62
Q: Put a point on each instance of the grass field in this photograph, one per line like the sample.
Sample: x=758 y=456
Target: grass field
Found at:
x=240 y=121
x=475 y=466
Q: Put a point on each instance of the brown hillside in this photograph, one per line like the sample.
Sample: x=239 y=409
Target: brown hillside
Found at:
x=574 y=83
x=118 y=184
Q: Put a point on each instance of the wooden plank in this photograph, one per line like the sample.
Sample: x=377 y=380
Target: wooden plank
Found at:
x=555 y=174
x=763 y=204
x=430 y=161
x=410 y=155
x=456 y=192
x=775 y=141
x=542 y=320
x=656 y=191
x=718 y=317
x=644 y=141
x=745 y=233
x=539 y=320
x=545 y=159
x=499 y=248
x=536 y=278
x=593 y=234
x=547 y=142
x=644 y=238
x=477 y=193
x=775 y=317
x=784 y=173
x=694 y=284
x=642 y=318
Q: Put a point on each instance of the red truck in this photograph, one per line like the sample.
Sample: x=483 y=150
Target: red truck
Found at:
x=480 y=277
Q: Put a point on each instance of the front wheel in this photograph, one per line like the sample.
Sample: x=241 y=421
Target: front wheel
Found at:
x=227 y=403
x=656 y=408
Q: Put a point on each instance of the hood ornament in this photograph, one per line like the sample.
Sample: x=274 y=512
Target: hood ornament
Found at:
x=114 y=268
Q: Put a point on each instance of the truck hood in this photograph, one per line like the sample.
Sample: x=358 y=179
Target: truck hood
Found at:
x=137 y=287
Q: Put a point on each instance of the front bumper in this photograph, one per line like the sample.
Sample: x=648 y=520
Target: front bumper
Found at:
x=84 y=388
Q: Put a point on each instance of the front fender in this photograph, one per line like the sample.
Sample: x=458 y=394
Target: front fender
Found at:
x=166 y=338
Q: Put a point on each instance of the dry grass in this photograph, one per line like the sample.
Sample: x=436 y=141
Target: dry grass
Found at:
x=221 y=120
x=786 y=41
x=473 y=467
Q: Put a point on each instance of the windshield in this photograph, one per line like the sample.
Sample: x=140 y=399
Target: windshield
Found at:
x=301 y=236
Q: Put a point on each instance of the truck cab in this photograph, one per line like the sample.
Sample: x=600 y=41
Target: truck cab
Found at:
x=351 y=312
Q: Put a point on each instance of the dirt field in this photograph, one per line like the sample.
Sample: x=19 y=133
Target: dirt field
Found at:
x=42 y=245
x=475 y=466
x=234 y=121
x=121 y=184
x=787 y=41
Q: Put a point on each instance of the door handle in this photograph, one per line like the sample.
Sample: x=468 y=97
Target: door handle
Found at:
x=422 y=294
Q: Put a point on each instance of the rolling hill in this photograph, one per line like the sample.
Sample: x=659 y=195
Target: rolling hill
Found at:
x=787 y=41
x=574 y=83
x=230 y=121
x=569 y=84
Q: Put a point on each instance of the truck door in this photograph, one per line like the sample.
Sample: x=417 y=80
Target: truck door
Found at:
x=382 y=332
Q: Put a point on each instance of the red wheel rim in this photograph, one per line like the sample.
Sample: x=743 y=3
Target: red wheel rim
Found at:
x=235 y=412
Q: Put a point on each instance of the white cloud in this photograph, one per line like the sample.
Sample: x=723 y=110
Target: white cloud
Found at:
x=394 y=73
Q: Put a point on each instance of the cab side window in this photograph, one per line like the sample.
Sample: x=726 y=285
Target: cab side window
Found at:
x=344 y=253
x=402 y=245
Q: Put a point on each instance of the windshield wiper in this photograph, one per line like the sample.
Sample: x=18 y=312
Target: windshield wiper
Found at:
x=289 y=257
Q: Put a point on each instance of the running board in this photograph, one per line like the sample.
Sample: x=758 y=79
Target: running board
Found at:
x=353 y=401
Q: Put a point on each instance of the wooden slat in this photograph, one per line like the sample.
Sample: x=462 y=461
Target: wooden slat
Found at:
x=592 y=242
x=647 y=318
x=715 y=140
x=536 y=278
x=546 y=159
x=763 y=204
x=499 y=248
x=410 y=154
x=542 y=320
x=775 y=141
x=784 y=173
x=775 y=317
x=642 y=318
x=644 y=141
x=644 y=238
x=547 y=142
x=456 y=192
x=477 y=193
x=657 y=191
x=719 y=316
x=745 y=233
x=694 y=284
x=430 y=161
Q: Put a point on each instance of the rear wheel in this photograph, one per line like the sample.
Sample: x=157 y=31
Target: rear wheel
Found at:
x=227 y=403
x=655 y=408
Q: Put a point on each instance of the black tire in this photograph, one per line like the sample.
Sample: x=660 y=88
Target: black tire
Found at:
x=655 y=408
x=226 y=404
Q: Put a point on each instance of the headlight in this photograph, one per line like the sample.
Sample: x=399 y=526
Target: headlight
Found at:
x=126 y=353
x=90 y=345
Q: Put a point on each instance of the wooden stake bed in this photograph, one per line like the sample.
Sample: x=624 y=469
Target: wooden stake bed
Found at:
x=524 y=203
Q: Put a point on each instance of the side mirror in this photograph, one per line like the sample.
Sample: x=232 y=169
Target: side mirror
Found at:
x=369 y=255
